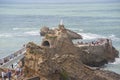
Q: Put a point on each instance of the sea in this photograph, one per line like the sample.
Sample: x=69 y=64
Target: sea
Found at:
x=20 y=23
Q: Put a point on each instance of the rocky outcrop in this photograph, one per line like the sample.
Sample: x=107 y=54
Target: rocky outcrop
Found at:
x=57 y=58
x=44 y=30
x=99 y=55
x=49 y=64
x=71 y=34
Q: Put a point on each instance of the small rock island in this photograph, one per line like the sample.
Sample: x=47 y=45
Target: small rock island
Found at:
x=58 y=58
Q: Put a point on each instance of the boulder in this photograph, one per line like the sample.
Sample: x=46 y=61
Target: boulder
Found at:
x=44 y=30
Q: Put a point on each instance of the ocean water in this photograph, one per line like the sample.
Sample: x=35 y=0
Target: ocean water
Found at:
x=21 y=23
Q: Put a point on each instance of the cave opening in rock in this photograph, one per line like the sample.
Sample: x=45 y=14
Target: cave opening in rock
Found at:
x=46 y=43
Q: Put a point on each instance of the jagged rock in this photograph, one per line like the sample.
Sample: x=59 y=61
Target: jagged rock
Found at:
x=58 y=58
x=71 y=34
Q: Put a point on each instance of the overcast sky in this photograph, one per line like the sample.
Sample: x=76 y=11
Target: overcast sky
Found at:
x=54 y=1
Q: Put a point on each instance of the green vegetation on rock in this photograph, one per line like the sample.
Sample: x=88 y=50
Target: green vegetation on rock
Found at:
x=64 y=75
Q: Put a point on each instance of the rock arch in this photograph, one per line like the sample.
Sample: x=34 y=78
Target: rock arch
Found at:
x=46 y=43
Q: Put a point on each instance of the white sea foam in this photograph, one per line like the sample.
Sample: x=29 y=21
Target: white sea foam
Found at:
x=90 y=36
x=23 y=28
x=27 y=33
x=113 y=37
x=16 y=28
x=5 y=35
x=33 y=33
x=86 y=36
x=117 y=61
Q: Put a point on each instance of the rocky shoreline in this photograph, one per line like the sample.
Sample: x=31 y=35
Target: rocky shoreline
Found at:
x=58 y=58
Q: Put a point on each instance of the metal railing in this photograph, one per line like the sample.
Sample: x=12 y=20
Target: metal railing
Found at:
x=12 y=58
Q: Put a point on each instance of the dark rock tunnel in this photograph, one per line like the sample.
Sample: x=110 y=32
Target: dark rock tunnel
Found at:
x=46 y=43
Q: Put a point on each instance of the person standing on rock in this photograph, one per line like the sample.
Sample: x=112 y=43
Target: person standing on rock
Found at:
x=3 y=75
x=18 y=72
x=9 y=74
x=12 y=66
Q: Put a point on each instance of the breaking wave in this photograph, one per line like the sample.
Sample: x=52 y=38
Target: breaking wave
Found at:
x=5 y=35
x=90 y=36
x=117 y=61
x=86 y=36
x=33 y=33
x=15 y=29
x=113 y=37
x=28 y=33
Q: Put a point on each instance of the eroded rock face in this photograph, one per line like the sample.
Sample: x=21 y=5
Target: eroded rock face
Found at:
x=57 y=58
x=96 y=56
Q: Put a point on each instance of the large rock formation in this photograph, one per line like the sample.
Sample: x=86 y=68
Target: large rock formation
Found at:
x=45 y=30
x=98 y=55
x=57 y=58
